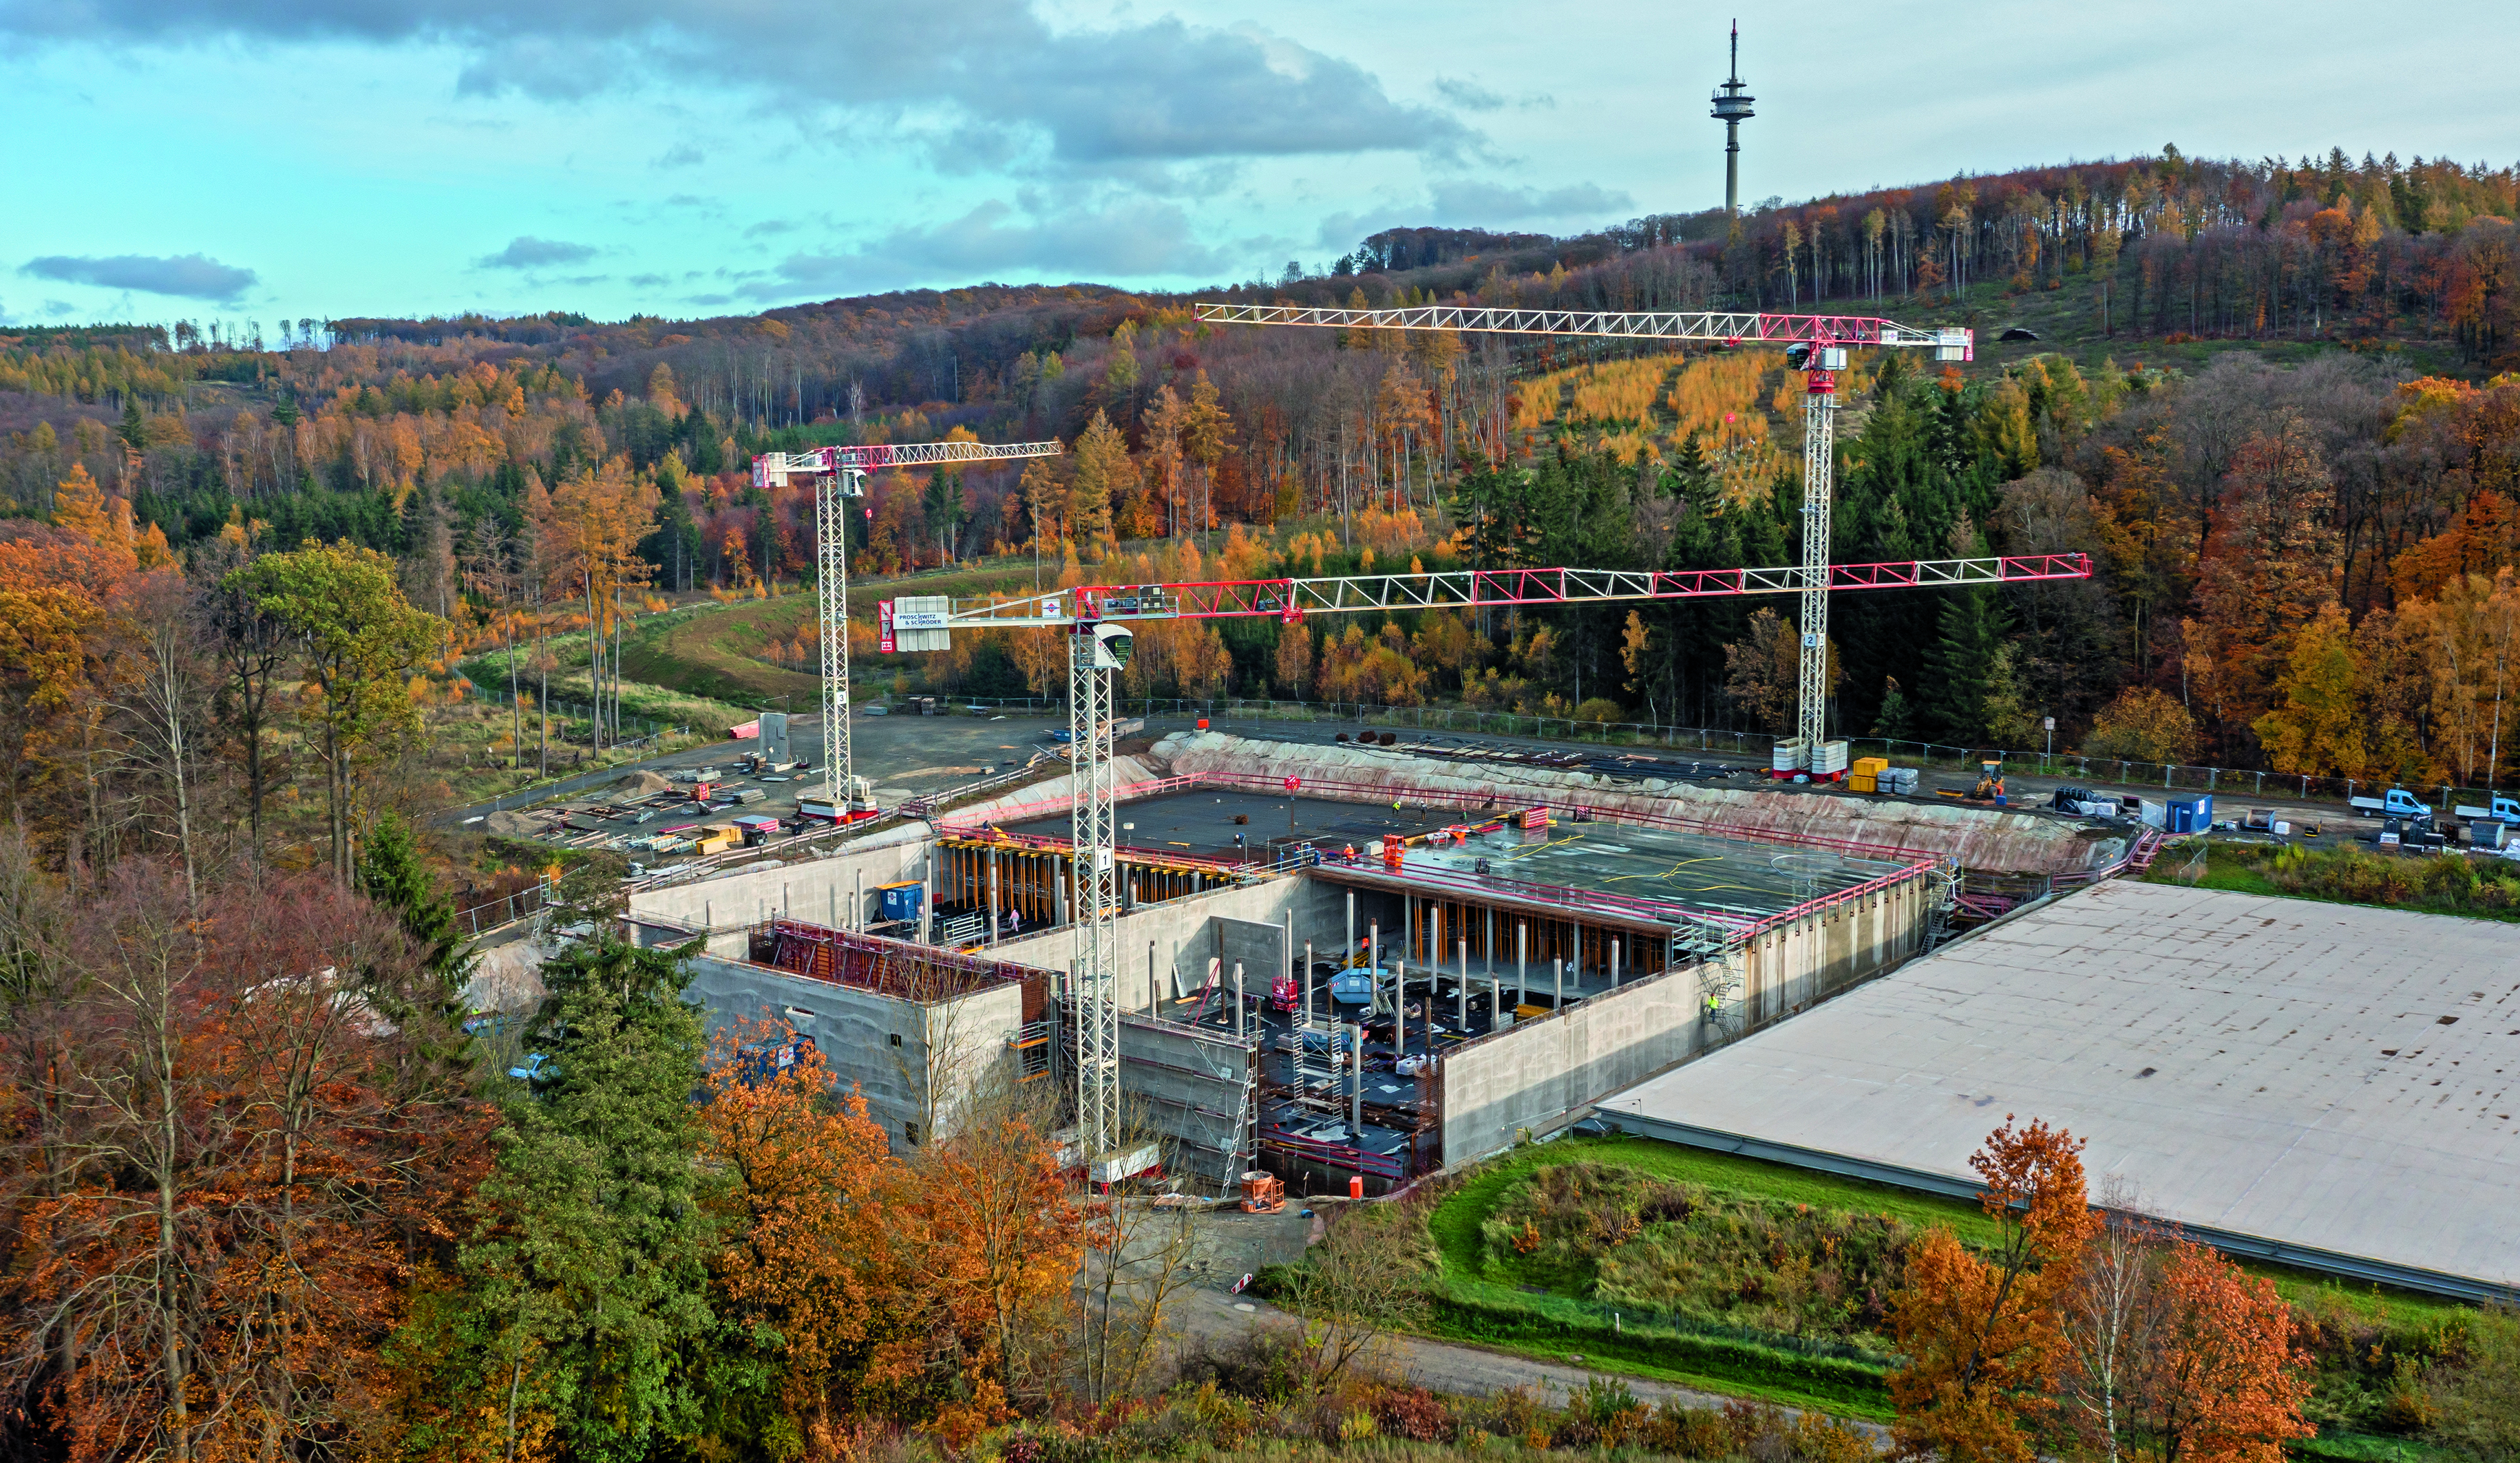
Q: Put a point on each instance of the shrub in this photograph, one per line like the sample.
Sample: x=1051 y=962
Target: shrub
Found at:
x=1686 y=1431
x=1412 y=1412
x=1264 y=1363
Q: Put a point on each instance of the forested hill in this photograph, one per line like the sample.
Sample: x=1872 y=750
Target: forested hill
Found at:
x=2264 y=393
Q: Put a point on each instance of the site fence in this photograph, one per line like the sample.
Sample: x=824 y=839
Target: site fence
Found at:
x=522 y=904
x=2132 y=774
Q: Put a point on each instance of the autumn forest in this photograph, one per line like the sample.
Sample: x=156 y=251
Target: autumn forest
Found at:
x=268 y=1196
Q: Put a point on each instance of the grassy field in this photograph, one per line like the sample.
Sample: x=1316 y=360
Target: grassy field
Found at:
x=716 y=650
x=2432 y=884
x=1495 y=1303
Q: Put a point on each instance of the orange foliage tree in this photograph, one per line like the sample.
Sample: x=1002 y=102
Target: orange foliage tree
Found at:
x=1982 y=1336
x=2222 y=1383
x=813 y=1270
x=241 y=1143
x=1002 y=1238
x=2270 y=566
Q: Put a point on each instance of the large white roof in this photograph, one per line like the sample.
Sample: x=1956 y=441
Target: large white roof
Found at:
x=2323 y=1074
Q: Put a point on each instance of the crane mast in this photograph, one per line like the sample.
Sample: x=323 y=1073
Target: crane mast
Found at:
x=839 y=474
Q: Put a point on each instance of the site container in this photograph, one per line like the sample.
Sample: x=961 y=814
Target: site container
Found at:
x=901 y=900
x=2192 y=814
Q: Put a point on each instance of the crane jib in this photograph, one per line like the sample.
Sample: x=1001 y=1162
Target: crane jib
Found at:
x=1291 y=599
x=776 y=468
x=1729 y=327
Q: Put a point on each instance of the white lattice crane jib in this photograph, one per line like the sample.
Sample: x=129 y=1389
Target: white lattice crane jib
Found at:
x=1816 y=345
x=839 y=474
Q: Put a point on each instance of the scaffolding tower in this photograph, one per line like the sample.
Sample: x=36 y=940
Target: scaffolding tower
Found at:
x=1715 y=949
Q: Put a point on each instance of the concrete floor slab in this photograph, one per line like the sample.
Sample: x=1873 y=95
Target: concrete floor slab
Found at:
x=2329 y=1076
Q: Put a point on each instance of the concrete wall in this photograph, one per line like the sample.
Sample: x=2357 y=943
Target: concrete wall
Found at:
x=949 y=1050
x=1259 y=949
x=1185 y=937
x=1790 y=968
x=810 y=889
x=1190 y=1086
x=1541 y=1072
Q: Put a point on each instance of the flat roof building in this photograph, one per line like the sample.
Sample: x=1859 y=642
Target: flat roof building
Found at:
x=2305 y=1080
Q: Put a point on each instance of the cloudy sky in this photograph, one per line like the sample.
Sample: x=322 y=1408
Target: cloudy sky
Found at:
x=281 y=159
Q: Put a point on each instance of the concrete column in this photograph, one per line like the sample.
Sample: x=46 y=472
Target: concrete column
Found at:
x=1521 y=963
x=995 y=907
x=1059 y=874
x=857 y=910
x=1499 y=1018
x=1286 y=947
x=1461 y=998
x=1356 y=1100
x=1400 y=1009
x=1373 y=945
x=1559 y=999
x=1237 y=995
x=927 y=904
x=1308 y=983
x=1153 y=1009
x=1435 y=942
x=1348 y=947
x=1616 y=945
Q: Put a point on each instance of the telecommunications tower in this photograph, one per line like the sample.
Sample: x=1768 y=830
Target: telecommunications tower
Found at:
x=1733 y=109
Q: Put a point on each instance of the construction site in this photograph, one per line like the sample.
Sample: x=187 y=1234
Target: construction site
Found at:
x=1342 y=966
x=1345 y=961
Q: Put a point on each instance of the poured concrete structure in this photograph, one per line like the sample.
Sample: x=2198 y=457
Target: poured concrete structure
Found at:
x=918 y=1062
x=1620 y=884
x=1539 y=1074
x=2333 y=1086
x=1978 y=838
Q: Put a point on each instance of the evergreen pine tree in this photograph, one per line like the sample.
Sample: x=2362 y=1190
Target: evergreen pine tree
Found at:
x=1959 y=665
x=393 y=873
x=588 y=1276
x=1894 y=720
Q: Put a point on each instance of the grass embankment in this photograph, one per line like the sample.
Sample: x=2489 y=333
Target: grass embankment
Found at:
x=474 y=744
x=718 y=651
x=2450 y=883
x=1768 y=1281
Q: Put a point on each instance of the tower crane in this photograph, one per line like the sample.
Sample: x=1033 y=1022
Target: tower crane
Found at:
x=1815 y=345
x=840 y=472
x=1097 y=619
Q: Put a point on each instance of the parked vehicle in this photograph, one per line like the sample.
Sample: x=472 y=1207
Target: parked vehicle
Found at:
x=2399 y=803
x=2503 y=810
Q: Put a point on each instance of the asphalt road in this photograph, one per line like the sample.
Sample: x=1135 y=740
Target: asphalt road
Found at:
x=1448 y=1367
x=921 y=753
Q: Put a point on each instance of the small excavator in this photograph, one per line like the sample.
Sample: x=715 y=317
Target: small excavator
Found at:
x=1988 y=788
